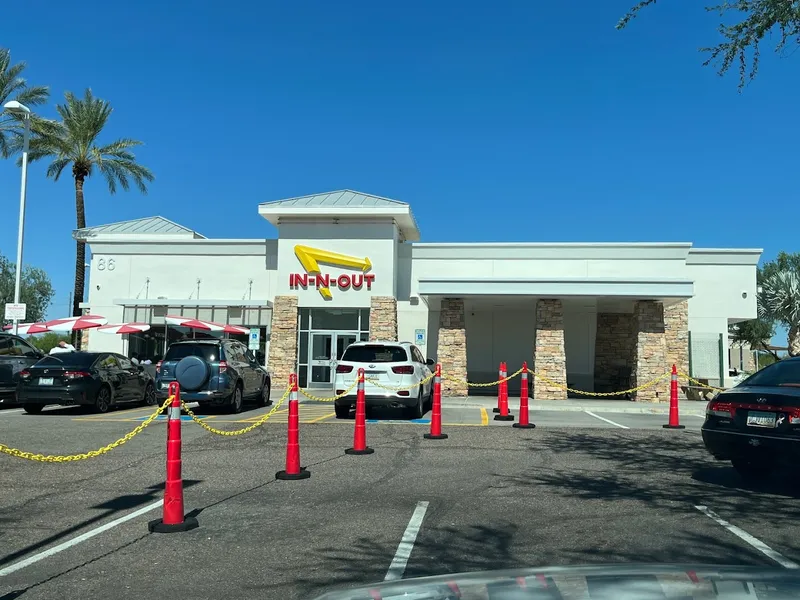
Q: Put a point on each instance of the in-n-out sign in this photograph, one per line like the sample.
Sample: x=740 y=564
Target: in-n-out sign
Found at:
x=311 y=258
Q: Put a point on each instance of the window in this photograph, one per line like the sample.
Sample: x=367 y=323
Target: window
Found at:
x=785 y=372
x=416 y=355
x=23 y=348
x=124 y=362
x=234 y=353
x=108 y=362
x=375 y=354
x=77 y=360
x=208 y=352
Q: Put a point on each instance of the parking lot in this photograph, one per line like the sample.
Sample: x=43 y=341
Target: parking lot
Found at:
x=583 y=487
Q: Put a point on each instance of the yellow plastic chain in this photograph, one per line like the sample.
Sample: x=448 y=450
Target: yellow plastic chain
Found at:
x=235 y=432
x=490 y=384
x=698 y=383
x=601 y=394
x=328 y=399
x=400 y=389
x=50 y=458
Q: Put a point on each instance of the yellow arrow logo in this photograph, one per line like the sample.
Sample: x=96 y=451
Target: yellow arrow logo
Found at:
x=311 y=258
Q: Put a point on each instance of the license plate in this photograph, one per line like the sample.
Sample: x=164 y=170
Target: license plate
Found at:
x=760 y=419
x=374 y=372
x=45 y=381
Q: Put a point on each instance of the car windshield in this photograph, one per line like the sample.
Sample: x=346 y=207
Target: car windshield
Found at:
x=69 y=359
x=783 y=373
x=377 y=353
x=208 y=352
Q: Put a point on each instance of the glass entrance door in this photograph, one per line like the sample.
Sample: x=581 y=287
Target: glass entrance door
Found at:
x=343 y=340
x=321 y=359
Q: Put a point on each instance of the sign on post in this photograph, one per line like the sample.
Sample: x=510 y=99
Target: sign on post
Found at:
x=254 y=341
x=16 y=312
x=419 y=336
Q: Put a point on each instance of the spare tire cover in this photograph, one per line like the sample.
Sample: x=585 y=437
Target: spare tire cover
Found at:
x=191 y=373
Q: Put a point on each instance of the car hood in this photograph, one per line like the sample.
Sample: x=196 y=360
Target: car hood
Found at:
x=607 y=582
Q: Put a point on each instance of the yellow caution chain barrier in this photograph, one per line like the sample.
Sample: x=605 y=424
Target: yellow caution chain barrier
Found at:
x=50 y=458
x=699 y=383
x=242 y=431
x=638 y=388
x=310 y=396
x=490 y=384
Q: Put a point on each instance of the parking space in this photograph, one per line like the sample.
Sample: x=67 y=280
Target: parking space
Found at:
x=574 y=490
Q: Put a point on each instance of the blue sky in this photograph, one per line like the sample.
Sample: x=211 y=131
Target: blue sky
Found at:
x=497 y=121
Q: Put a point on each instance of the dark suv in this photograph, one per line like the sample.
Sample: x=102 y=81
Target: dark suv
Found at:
x=15 y=355
x=214 y=373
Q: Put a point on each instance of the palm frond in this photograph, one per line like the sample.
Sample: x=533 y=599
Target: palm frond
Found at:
x=55 y=168
x=780 y=298
x=122 y=171
x=33 y=96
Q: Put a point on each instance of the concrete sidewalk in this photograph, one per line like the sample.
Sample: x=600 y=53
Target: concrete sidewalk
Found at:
x=685 y=407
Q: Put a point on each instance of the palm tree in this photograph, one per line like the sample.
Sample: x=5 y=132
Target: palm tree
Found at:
x=779 y=300
x=72 y=141
x=14 y=87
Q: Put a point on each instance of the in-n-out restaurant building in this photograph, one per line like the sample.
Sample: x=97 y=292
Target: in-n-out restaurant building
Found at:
x=349 y=266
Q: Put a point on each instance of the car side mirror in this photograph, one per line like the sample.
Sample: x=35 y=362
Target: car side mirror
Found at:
x=430 y=362
x=140 y=368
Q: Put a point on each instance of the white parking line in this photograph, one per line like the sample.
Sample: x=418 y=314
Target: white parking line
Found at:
x=590 y=413
x=78 y=539
x=754 y=542
x=398 y=566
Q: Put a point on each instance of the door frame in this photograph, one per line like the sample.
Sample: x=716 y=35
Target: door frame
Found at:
x=334 y=334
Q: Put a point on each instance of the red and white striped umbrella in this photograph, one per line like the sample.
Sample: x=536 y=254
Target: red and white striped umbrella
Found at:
x=76 y=323
x=124 y=328
x=29 y=328
x=205 y=325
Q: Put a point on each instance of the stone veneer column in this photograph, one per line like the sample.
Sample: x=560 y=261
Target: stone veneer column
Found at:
x=549 y=354
x=451 y=350
x=383 y=318
x=676 y=328
x=283 y=341
x=650 y=358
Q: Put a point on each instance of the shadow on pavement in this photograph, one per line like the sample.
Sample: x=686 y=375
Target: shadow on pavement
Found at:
x=109 y=508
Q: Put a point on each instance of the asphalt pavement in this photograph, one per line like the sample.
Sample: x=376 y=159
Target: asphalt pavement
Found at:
x=577 y=489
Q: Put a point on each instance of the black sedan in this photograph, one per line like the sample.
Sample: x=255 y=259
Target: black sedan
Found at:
x=97 y=379
x=756 y=425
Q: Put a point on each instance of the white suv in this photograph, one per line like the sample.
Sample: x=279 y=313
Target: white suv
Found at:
x=389 y=364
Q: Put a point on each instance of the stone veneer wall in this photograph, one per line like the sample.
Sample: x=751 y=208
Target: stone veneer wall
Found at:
x=549 y=354
x=383 y=318
x=650 y=358
x=283 y=341
x=676 y=328
x=614 y=348
x=451 y=350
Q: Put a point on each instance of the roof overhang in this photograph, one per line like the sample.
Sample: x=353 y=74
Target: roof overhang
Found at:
x=220 y=303
x=400 y=214
x=632 y=288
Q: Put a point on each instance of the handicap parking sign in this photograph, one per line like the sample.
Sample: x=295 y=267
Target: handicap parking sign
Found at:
x=254 y=343
x=419 y=336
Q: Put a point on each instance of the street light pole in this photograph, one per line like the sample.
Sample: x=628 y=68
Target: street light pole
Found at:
x=23 y=111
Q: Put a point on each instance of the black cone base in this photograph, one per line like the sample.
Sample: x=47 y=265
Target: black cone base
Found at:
x=366 y=450
x=526 y=426
x=283 y=475
x=504 y=418
x=433 y=436
x=674 y=426
x=158 y=526
x=495 y=410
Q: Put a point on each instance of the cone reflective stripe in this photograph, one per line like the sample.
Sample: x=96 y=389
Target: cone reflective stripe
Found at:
x=436 y=412
x=524 y=422
x=173 y=519
x=674 y=419
x=360 y=431
x=501 y=373
x=293 y=469
x=504 y=414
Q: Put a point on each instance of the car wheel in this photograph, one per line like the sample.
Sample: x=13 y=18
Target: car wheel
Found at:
x=33 y=409
x=751 y=470
x=150 y=398
x=236 y=400
x=342 y=412
x=263 y=397
x=417 y=411
x=103 y=401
